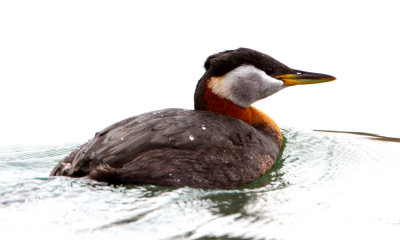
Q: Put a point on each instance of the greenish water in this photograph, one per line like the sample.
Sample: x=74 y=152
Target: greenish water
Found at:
x=324 y=186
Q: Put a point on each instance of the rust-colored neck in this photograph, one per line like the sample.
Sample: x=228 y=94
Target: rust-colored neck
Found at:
x=249 y=115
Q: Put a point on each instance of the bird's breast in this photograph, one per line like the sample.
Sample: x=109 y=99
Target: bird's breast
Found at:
x=250 y=115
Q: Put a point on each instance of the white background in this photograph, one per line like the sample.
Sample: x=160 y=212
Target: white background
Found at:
x=71 y=68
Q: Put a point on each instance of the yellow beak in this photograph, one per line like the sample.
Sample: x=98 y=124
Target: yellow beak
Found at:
x=301 y=77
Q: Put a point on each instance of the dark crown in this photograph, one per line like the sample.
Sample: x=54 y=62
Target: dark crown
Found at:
x=223 y=62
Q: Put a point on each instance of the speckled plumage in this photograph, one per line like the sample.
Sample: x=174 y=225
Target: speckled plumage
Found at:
x=174 y=147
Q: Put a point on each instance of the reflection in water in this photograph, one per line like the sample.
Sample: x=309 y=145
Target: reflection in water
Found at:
x=321 y=182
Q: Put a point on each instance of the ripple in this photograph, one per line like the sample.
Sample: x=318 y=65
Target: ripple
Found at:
x=18 y=153
x=316 y=159
x=321 y=181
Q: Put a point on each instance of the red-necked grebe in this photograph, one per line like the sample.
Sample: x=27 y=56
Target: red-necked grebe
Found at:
x=223 y=143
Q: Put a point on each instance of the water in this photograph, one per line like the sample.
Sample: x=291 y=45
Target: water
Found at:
x=324 y=186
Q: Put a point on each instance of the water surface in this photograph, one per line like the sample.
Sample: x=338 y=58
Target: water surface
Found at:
x=324 y=186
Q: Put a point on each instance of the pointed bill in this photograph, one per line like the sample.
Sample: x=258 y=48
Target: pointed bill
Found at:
x=301 y=77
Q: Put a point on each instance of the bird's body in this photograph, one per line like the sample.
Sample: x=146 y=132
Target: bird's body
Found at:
x=175 y=147
x=223 y=143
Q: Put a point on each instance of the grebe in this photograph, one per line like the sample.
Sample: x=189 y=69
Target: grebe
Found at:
x=224 y=142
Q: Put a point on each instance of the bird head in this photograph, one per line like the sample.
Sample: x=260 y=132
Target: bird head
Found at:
x=244 y=76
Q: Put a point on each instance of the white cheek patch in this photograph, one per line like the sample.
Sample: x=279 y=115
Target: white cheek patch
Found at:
x=245 y=85
x=273 y=85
